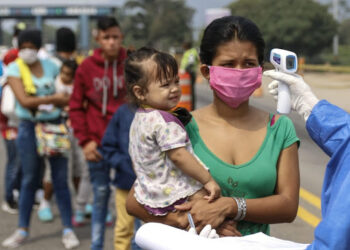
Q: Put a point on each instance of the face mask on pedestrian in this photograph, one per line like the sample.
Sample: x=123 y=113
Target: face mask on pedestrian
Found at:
x=29 y=56
x=234 y=86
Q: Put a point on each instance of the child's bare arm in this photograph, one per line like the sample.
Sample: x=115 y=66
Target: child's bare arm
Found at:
x=185 y=161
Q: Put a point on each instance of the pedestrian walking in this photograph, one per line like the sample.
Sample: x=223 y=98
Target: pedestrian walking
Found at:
x=98 y=92
x=32 y=81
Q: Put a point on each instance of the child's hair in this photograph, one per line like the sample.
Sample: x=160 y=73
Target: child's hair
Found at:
x=107 y=22
x=70 y=63
x=65 y=40
x=166 y=69
x=225 y=29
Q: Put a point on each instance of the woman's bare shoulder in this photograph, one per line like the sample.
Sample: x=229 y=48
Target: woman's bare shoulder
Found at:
x=200 y=113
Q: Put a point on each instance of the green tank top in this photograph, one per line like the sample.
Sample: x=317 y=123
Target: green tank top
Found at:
x=255 y=178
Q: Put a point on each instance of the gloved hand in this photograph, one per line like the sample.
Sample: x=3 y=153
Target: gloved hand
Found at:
x=302 y=98
x=207 y=232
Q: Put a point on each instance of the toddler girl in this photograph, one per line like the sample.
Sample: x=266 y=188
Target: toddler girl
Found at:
x=64 y=81
x=166 y=168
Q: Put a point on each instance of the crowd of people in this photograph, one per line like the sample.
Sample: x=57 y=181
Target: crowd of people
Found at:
x=112 y=120
x=55 y=130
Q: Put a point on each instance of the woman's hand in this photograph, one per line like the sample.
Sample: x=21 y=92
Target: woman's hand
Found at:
x=228 y=228
x=213 y=213
x=176 y=219
x=91 y=153
x=60 y=99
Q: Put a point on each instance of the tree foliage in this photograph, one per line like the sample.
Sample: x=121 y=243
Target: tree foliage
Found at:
x=302 y=26
x=157 y=23
x=344 y=32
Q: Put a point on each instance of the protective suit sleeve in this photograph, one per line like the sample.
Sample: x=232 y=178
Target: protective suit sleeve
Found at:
x=329 y=126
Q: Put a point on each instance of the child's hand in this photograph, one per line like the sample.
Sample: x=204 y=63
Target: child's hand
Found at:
x=213 y=189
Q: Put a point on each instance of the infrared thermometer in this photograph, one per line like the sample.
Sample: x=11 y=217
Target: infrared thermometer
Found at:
x=286 y=62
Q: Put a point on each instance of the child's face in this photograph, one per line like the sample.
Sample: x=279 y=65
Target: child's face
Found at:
x=66 y=75
x=162 y=95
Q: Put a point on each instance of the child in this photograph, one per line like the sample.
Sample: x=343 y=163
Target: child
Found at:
x=63 y=84
x=166 y=168
x=115 y=145
x=64 y=81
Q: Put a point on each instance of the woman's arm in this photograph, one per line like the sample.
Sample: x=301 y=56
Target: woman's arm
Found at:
x=277 y=208
x=283 y=205
x=175 y=219
x=32 y=102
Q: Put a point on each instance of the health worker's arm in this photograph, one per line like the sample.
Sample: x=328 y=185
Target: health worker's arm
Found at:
x=329 y=126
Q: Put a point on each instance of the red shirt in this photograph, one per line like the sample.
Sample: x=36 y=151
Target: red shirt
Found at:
x=94 y=85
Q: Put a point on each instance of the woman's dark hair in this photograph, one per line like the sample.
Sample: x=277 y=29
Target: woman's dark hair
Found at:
x=135 y=72
x=106 y=22
x=225 y=29
x=32 y=35
x=70 y=63
x=65 y=40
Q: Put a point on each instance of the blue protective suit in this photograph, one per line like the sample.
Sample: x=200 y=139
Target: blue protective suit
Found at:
x=329 y=127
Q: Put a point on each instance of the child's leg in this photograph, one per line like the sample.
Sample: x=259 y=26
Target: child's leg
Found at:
x=84 y=190
x=44 y=211
x=198 y=195
x=124 y=227
x=76 y=162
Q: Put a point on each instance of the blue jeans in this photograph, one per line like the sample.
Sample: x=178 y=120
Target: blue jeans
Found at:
x=12 y=175
x=26 y=146
x=99 y=176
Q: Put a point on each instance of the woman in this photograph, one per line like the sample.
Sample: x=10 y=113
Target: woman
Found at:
x=32 y=81
x=251 y=154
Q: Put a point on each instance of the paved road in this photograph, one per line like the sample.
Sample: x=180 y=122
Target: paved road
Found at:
x=43 y=236
x=333 y=87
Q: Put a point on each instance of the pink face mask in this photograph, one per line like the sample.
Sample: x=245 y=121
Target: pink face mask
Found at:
x=234 y=86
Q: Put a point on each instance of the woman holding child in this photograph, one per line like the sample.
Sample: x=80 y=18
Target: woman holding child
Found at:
x=250 y=153
x=32 y=81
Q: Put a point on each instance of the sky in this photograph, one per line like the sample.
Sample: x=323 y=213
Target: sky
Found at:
x=198 y=5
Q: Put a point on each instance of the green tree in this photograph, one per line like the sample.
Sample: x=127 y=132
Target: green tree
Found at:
x=302 y=26
x=344 y=34
x=157 y=23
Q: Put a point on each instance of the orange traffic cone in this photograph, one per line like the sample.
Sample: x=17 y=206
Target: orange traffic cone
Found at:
x=185 y=84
